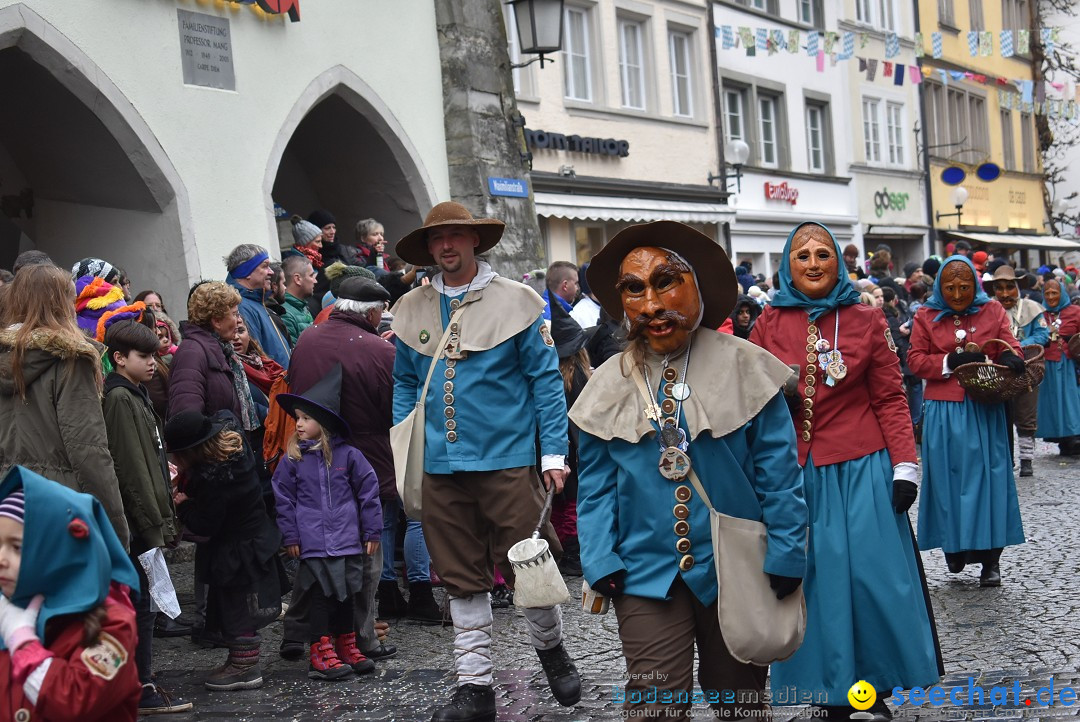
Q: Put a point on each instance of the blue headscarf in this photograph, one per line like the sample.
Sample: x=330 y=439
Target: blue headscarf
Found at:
x=70 y=553
x=937 y=299
x=842 y=294
x=1065 y=300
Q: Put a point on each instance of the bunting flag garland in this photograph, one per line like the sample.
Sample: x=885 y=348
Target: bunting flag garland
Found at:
x=892 y=45
x=864 y=40
x=793 y=41
x=728 y=35
x=898 y=76
x=920 y=51
x=986 y=43
x=1047 y=35
x=812 y=43
x=830 y=41
x=915 y=73
x=821 y=62
x=888 y=69
x=1006 y=43
x=848 y=43
x=871 y=69
x=937 y=44
x=1023 y=42
x=973 y=43
x=762 y=39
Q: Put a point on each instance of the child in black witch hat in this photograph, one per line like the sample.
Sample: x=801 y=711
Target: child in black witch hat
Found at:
x=330 y=515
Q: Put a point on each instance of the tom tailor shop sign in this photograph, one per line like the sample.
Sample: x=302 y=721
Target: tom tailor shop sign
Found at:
x=544 y=140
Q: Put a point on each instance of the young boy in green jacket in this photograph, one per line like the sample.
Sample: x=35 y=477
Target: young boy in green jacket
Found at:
x=143 y=472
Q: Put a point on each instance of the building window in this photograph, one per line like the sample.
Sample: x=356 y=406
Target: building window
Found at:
x=936 y=132
x=756 y=4
x=878 y=13
x=767 y=131
x=632 y=64
x=1008 y=151
x=864 y=11
x=588 y=240
x=812 y=13
x=975 y=9
x=816 y=137
x=577 y=69
x=887 y=15
x=1027 y=142
x=894 y=130
x=946 y=14
x=979 y=135
x=682 y=79
x=524 y=81
x=1015 y=14
x=871 y=111
x=735 y=113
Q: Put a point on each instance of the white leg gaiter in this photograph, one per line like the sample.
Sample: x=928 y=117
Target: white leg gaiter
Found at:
x=1027 y=447
x=545 y=626
x=472 y=639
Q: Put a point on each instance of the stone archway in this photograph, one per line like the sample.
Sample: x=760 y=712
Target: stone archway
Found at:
x=87 y=174
x=341 y=149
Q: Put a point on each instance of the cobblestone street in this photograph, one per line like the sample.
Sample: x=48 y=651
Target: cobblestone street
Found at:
x=1025 y=630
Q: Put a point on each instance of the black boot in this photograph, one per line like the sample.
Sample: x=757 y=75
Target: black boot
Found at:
x=570 y=563
x=562 y=675
x=991 y=572
x=422 y=605
x=470 y=703
x=1025 y=468
x=956 y=561
x=391 y=603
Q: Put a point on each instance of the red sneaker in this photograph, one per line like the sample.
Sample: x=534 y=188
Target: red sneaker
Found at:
x=325 y=663
x=350 y=654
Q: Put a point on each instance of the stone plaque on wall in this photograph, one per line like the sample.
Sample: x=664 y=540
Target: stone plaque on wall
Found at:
x=206 y=53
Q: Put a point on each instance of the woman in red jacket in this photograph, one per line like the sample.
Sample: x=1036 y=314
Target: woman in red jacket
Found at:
x=867 y=616
x=968 y=505
x=1059 y=393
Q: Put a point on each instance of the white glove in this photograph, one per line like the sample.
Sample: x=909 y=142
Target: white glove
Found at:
x=17 y=625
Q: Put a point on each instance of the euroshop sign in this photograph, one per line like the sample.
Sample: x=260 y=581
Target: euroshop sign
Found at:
x=781 y=192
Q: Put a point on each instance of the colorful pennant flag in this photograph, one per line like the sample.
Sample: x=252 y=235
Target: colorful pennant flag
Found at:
x=1007 y=43
x=892 y=45
x=920 y=51
x=936 y=44
x=986 y=43
x=1023 y=42
x=973 y=43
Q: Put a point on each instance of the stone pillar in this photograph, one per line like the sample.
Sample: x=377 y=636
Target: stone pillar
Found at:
x=481 y=141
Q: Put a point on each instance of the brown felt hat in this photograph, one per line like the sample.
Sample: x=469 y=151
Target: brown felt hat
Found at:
x=1006 y=273
x=716 y=277
x=413 y=247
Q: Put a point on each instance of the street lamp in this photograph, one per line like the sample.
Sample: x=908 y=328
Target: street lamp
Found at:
x=959 y=197
x=736 y=153
x=539 y=28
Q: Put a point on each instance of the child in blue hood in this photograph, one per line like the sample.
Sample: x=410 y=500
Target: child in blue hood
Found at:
x=330 y=515
x=66 y=620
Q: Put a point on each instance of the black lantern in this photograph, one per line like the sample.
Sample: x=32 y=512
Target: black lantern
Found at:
x=539 y=27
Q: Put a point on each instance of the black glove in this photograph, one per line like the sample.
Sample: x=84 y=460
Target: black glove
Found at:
x=903 y=495
x=612 y=585
x=1012 y=361
x=959 y=358
x=783 y=586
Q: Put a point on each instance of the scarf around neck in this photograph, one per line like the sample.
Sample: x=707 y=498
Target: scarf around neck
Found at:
x=312 y=254
x=248 y=419
x=937 y=299
x=482 y=279
x=842 y=294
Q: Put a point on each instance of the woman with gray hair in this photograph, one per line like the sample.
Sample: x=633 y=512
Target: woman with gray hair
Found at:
x=371 y=244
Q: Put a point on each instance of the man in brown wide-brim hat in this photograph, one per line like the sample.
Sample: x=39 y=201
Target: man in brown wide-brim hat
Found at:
x=714 y=405
x=1028 y=325
x=494 y=383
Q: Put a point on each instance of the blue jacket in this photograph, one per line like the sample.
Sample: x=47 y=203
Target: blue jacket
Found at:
x=261 y=328
x=501 y=397
x=546 y=295
x=329 y=512
x=624 y=517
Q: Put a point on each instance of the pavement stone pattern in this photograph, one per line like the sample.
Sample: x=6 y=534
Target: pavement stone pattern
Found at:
x=1028 y=630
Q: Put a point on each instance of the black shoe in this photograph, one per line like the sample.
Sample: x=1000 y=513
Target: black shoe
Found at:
x=206 y=640
x=991 y=575
x=165 y=627
x=383 y=651
x=562 y=675
x=501 y=597
x=956 y=561
x=1025 y=468
x=155 y=700
x=570 y=562
x=422 y=605
x=470 y=703
x=292 y=650
x=392 y=604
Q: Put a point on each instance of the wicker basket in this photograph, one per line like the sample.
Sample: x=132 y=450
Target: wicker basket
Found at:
x=991 y=383
x=1074 y=347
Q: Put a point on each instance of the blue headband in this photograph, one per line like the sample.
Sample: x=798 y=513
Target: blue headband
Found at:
x=248 y=267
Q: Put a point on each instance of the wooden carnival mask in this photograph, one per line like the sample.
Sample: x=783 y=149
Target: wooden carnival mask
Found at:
x=1052 y=294
x=958 y=285
x=660 y=297
x=814 y=265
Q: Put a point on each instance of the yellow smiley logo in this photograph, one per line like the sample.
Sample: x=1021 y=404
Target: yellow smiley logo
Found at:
x=862 y=695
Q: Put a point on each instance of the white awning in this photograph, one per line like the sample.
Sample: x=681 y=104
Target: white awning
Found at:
x=1008 y=240
x=883 y=230
x=618 y=208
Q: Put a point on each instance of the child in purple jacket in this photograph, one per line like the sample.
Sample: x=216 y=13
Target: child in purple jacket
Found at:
x=329 y=515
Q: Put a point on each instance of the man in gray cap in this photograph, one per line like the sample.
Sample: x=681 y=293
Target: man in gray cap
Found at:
x=349 y=337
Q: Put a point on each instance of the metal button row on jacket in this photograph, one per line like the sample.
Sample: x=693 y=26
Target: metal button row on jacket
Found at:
x=448 y=396
x=810 y=380
x=682 y=527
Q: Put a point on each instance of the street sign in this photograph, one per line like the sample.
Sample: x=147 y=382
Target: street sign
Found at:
x=513 y=187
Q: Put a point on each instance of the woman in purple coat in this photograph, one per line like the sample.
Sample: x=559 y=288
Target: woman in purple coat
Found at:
x=329 y=515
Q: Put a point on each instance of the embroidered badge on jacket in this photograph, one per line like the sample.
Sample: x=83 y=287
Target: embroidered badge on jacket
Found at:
x=888 y=337
x=545 y=333
x=106 y=657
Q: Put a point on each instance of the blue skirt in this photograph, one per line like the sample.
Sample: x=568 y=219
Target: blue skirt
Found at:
x=866 y=614
x=1059 y=401
x=968 y=496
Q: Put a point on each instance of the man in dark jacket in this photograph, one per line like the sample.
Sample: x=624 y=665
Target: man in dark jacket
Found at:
x=349 y=337
x=742 y=318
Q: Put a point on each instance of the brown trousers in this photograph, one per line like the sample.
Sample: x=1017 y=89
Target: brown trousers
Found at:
x=1025 y=412
x=658 y=639
x=471 y=519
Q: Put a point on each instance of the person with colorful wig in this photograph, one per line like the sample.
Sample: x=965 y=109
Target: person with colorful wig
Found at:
x=968 y=505
x=67 y=626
